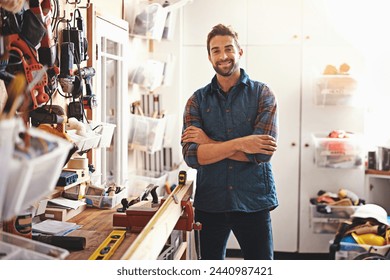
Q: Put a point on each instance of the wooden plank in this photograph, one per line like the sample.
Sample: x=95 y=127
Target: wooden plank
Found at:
x=151 y=240
x=377 y=172
x=179 y=255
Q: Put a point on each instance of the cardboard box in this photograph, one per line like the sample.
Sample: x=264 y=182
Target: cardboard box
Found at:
x=61 y=214
x=75 y=192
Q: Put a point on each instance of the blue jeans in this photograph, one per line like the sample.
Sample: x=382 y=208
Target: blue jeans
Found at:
x=252 y=230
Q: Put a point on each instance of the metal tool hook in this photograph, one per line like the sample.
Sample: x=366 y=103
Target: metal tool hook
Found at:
x=77 y=2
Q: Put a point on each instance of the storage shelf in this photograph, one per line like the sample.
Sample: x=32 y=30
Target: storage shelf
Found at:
x=377 y=172
x=78 y=182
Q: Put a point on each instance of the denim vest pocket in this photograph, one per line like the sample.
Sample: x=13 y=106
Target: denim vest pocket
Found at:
x=212 y=121
x=260 y=184
x=244 y=120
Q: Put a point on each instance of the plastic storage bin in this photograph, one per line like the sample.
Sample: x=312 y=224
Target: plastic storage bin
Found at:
x=106 y=202
x=13 y=247
x=170 y=135
x=326 y=219
x=338 y=152
x=351 y=251
x=105 y=130
x=149 y=21
x=7 y=133
x=146 y=134
x=84 y=143
x=30 y=180
x=336 y=90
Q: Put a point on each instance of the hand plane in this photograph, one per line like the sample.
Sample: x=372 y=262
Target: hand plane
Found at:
x=150 y=189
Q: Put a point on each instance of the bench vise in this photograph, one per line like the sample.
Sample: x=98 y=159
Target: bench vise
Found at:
x=137 y=218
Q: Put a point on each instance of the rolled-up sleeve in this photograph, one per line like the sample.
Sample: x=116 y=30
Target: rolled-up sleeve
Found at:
x=190 y=151
x=191 y=117
x=266 y=121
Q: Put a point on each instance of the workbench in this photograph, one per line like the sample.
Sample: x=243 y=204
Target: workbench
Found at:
x=96 y=225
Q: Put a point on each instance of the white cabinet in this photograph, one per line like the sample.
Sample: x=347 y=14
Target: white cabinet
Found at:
x=377 y=189
x=281 y=22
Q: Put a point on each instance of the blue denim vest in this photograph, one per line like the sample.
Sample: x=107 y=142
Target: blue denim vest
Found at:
x=230 y=185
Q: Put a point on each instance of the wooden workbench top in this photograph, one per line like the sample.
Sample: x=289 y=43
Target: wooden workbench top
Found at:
x=96 y=226
x=148 y=243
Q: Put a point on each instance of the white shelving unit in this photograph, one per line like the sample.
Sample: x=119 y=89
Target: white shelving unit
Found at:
x=154 y=139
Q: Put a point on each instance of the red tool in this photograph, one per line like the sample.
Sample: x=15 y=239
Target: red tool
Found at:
x=139 y=217
x=31 y=67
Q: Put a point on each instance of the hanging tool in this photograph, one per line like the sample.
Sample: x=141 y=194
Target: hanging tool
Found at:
x=47 y=47
x=47 y=50
x=86 y=73
x=47 y=114
x=109 y=245
x=76 y=35
x=136 y=108
x=31 y=66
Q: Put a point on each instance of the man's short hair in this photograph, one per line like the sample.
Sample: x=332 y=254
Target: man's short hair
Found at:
x=222 y=30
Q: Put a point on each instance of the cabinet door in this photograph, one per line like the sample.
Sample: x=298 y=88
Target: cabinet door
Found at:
x=377 y=188
x=111 y=44
x=319 y=25
x=274 y=22
x=201 y=15
x=268 y=64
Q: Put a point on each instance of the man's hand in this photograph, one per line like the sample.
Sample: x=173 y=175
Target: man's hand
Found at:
x=195 y=135
x=258 y=144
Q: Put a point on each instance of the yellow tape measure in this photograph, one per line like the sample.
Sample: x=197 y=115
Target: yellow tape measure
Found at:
x=109 y=245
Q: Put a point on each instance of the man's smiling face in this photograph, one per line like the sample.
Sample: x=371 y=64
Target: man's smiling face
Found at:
x=224 y=55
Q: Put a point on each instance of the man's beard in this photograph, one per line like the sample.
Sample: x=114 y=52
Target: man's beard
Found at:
x=226 y=73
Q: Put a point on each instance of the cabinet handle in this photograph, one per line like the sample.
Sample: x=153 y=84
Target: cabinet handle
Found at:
x=307 y=145
x=295 y=36
x=293 y=144
x=307 y=37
